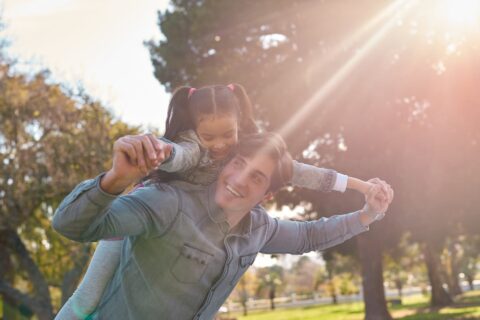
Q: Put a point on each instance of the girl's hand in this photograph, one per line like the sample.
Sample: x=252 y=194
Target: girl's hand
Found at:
x=134 y=157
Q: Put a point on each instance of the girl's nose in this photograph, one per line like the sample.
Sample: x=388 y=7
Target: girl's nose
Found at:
x=219 y=146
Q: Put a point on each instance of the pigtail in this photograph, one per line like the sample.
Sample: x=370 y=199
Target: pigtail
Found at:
x=178 y=120
x=247 y=122
x=178 y=116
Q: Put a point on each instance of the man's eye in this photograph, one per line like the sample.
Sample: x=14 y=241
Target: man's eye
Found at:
x=257 y=179
x=208 y=139
x=237 y=163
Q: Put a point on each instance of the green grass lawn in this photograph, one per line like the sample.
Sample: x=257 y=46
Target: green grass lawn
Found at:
x=414 y=308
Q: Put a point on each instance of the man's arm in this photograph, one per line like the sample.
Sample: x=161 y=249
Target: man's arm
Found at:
x=88 y=213
x=298 y=237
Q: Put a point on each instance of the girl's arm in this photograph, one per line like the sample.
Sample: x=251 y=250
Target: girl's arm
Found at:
x=185 y=154
x=325 y=180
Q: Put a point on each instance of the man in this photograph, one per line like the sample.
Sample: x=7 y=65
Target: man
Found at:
x=187 y=246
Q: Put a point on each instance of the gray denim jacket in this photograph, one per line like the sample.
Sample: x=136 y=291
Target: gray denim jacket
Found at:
x=180 y=260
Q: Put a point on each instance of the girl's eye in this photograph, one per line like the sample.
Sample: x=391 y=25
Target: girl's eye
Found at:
x=229 y=135
x=237 y=163
x=208 y=139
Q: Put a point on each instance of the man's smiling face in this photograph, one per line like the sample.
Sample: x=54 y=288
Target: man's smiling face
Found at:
x=243 y=183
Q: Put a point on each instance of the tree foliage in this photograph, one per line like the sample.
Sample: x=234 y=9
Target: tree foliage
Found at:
x=51 y=138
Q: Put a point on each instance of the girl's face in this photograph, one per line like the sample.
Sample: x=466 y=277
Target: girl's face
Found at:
x=218 y=134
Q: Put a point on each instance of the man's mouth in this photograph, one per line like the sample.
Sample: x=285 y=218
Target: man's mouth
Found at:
x=233 y=191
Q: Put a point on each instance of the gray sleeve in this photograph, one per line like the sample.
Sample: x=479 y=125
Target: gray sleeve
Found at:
x=311 y=177
x=185 y=155
x=298 y=237
x=90 y=214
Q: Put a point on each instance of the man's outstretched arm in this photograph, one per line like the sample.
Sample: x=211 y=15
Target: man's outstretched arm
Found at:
x=89 y=213
x=300 y=237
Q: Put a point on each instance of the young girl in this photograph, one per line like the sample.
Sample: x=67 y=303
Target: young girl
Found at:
x=202 y=126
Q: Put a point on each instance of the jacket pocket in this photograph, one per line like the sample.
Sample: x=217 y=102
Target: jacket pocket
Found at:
x=243 y=263
x=190 y=264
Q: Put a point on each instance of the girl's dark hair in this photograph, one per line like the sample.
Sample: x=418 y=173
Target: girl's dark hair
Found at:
x=188 y=105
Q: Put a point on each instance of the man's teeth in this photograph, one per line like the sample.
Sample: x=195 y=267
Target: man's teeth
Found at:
x=233 y=191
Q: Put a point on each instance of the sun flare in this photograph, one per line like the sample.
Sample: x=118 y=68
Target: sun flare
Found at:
x=460 y=13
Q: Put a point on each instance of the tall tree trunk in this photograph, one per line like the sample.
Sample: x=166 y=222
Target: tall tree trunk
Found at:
x=399 y=285
x=272 y=297
x=440 y=297
x=244 y=306
x=372 y=278
x=454 y=284
x=331 y=285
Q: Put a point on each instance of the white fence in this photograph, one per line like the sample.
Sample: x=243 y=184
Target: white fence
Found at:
x=308 y=300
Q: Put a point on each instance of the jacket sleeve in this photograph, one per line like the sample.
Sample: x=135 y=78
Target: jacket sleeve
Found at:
x=90 y=214
x=298 y=237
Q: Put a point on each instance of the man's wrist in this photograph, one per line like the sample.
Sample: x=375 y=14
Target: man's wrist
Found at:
x=112 y=184
x=367 y=216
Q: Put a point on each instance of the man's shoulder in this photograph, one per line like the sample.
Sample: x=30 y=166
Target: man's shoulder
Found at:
x=173 y=190
x=260 y=217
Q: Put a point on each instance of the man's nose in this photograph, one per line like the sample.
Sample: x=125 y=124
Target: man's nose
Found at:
x=240 y=178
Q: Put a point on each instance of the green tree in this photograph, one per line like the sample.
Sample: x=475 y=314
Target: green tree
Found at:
x=399 y=114
x=51 y=137
x=245 y=289
x=270 y=281
x=403 y=263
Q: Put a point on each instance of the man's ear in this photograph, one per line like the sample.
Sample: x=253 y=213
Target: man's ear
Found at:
x=268 y=196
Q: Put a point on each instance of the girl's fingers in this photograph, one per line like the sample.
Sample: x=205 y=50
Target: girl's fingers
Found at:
x=157 y=144
x=391 y=193
x=149 y=147
x=371 y=194
x=165 y=152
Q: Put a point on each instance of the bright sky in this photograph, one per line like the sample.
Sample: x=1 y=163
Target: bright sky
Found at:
x=96 y=43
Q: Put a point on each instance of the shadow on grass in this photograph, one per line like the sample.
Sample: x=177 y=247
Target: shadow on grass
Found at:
x=437 y=316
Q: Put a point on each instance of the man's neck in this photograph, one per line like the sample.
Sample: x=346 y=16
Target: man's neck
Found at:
x=233 y=218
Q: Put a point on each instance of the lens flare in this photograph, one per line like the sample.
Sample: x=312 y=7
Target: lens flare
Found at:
x=460 y=13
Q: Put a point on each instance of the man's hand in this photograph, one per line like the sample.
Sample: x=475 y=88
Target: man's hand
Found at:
x=377 y=199
x=133 y=158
